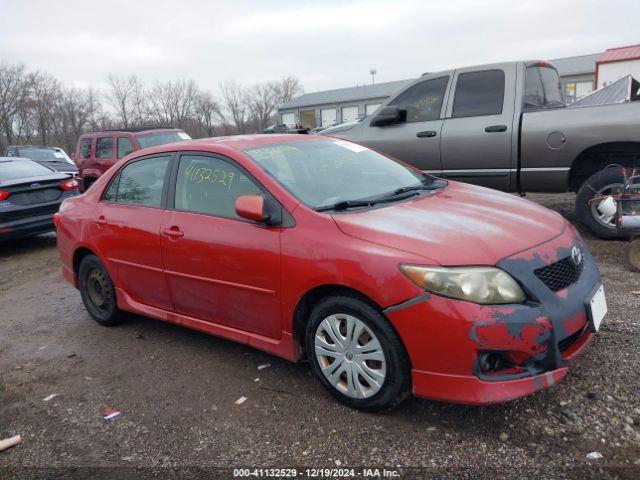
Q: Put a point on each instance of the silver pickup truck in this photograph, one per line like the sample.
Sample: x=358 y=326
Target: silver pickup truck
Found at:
x=506 y=126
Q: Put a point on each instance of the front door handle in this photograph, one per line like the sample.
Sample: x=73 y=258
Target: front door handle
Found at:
x=426 y=134
x=101 y=220
x=173 y=232
x=496 y=128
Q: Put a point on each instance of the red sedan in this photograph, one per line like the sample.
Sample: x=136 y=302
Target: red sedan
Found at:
x=388 y=280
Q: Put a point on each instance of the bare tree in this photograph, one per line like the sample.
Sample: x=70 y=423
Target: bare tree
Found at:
x=208 y=114
x=128 y=97
x=13 y=94
x=234 y=102
x=44 y=93
x=173 y=103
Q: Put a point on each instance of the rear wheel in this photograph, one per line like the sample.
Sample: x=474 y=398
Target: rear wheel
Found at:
x=588 y=202
x=98 y=294
x=357 y=355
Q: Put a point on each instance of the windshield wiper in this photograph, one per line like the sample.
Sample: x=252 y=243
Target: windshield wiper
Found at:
x=346 y=204
x=433 y=185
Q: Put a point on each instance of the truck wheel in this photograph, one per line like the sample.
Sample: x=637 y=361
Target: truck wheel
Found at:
x=633 y=255
x=602 y=183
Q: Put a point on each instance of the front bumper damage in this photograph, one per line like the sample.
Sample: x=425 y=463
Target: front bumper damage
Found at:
x=478 y=354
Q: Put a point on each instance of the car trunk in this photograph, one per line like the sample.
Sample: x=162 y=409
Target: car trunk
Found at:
x=30 y=198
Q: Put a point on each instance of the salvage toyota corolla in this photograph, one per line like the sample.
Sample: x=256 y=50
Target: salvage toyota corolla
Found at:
x=388 y=280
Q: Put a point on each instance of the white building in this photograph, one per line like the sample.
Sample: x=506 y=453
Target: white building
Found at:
x=615 y=63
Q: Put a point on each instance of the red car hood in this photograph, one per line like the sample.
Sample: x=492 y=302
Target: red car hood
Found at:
x=459 y=225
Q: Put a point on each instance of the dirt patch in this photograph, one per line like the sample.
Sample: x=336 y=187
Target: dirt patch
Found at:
x=176 y=389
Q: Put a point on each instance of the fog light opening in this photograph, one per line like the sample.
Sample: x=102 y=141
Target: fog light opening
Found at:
x=490 y=362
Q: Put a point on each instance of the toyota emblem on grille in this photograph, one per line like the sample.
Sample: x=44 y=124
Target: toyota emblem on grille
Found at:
x=576 y=256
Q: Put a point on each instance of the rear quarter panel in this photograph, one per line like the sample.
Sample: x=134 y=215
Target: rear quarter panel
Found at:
x=546 y=161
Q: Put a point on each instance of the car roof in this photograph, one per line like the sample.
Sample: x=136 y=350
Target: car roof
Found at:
x=34 y=146
x=133 y=131
x=242 y=142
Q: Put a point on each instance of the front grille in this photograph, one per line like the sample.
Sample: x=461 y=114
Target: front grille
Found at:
x=570 y=340
x=559 y=275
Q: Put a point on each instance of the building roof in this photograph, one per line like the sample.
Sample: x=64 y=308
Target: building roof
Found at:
x=631 y=52
x=576 y=65
x=341 y=95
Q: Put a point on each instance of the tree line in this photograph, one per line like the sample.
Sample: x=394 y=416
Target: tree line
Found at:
x=36 y=108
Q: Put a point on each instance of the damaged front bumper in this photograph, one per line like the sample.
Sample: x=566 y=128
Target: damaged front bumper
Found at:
x=483 y=354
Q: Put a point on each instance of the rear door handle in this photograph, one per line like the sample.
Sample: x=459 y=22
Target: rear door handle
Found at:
x=426 y=134
x=496 y=128
x=101 y=220
x=173 y=232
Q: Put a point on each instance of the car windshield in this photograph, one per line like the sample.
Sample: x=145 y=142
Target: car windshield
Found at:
x=153 y=139
x=43 y=154
x=15 y=169
x=326 y=172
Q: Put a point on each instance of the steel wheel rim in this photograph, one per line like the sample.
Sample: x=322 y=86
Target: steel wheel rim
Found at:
x=350 y=356
x=98 y=290
x=602 y=219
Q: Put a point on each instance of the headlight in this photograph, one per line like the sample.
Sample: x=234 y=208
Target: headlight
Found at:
x=484 y=285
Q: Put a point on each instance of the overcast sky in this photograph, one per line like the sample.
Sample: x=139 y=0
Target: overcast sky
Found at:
x=327 y=44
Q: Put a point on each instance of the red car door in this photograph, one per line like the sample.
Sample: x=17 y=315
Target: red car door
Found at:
x=127 y=230
x=220 y=268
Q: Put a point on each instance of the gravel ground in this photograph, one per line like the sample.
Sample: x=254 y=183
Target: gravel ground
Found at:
x=176 y=389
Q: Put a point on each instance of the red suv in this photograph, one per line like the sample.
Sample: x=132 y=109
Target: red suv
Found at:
x=387 y=279
x=98 y=151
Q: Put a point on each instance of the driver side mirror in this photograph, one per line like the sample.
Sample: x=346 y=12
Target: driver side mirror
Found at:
x=251 y=207
x=389 y=116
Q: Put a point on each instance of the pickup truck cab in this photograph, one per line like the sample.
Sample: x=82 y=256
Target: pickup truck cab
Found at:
x=98 y=151
x=506 y=126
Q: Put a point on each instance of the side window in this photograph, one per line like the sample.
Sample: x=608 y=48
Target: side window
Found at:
x=479 y=93
x=211 y=186
x=104 y=147
x=423 y=101
x=112 y=192
x=124 y=147
x=139 y=183
x=85 y=148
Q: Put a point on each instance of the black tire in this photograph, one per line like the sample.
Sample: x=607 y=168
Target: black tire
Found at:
x=633 y=255
x=397 y=382
x=598 y=183
x=98 y=294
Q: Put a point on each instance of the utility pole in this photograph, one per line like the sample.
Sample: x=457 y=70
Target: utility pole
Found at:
x=373 y=72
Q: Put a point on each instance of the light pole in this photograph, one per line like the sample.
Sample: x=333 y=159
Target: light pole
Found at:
x=373 y=72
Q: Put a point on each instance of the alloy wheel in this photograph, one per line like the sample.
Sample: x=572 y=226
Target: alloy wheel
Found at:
x=350 y=356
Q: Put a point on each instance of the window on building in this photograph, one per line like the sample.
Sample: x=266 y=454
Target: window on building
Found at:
x=479 y=93
x=423 y=100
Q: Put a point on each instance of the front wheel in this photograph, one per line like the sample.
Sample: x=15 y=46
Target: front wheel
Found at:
x=588 y=208
x=357 y=355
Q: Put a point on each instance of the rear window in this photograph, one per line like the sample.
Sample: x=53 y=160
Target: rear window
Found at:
x=479 y=93
x=85 y=148
x=104 y=147
x=16 y=169
x=161 y=138
x=542 y=88
x=41 y=154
